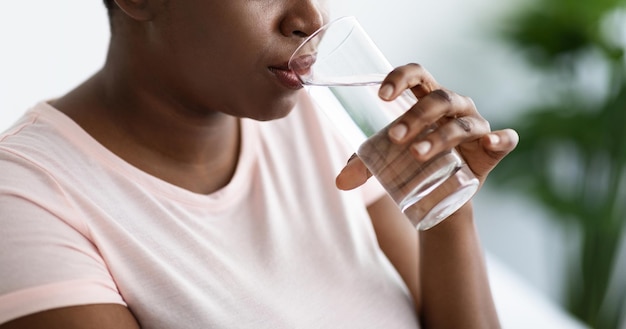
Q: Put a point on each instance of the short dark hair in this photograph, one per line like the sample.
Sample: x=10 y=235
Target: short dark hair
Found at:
x=109 y=4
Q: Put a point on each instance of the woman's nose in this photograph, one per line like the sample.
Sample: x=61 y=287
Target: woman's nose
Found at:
x=303 y=17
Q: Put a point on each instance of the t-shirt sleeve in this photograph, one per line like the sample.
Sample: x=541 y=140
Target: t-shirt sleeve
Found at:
x=47 y=258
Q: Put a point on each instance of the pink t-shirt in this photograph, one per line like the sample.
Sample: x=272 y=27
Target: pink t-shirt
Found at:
x=278 y=247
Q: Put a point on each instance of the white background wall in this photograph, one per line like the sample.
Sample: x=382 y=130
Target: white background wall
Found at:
x=47 y=47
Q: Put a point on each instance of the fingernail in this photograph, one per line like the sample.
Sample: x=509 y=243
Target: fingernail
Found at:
x=351 y=158
x=385 y=91
x=398 y=131
x=494 y=139
x=422 y=147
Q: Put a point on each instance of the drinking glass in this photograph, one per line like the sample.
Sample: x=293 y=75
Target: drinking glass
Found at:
x=343 y=69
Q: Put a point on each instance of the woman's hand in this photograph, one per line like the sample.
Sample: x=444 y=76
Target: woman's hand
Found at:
x=460 y=126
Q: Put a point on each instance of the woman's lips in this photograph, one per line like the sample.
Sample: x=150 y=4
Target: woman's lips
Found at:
x=292 y=74
x=286 y=77
x=302 y=64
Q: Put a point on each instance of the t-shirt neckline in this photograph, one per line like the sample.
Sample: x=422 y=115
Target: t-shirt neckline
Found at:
x=224 y=197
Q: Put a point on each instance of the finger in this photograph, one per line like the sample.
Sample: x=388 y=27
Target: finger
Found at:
x=353 y=175
x=500 y=143
x=411 y=76
x=496 y=145
x=449 y=135
x=439 y=106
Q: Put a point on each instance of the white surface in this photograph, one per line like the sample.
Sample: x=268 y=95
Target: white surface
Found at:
x=521 y=306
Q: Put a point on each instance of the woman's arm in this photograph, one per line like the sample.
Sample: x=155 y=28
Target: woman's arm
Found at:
x=454 y=284
x=97 y=316
x=443 y=266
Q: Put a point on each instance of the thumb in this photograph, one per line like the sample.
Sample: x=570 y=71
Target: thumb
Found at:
x=353 y=175
x=496 y=145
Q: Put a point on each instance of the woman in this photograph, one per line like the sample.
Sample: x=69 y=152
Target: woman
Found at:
x=188 y=185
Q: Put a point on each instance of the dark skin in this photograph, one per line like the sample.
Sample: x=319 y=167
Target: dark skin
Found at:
x=169 y=99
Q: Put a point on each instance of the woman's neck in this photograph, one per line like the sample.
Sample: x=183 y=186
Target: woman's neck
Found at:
x=195 y=150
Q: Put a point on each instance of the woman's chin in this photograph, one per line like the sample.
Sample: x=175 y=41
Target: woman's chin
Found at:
x=275 y=110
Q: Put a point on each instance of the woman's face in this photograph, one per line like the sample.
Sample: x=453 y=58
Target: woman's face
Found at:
x=231 y=56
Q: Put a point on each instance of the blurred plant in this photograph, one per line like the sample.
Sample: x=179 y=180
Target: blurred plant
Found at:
x=572 y=151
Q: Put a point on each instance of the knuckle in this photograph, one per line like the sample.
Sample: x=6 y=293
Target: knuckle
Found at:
x=415 y=66
x=469 y=102
x=413 y=75
x=464 y=123
x=442 y=95
x=487 y=125
x=412 y=69
x=407 y=70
